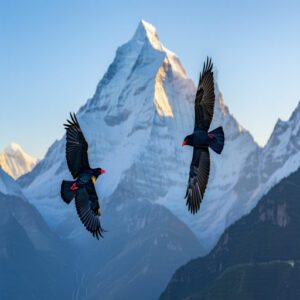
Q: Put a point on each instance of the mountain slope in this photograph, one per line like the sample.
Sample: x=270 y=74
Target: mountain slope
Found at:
x=142 y=247
x=8 y=185
x=34 y=263
x=15 y=161
x=254 y=257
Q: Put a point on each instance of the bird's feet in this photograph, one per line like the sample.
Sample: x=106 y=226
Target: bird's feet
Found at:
x=211 y=136
x=74 y=186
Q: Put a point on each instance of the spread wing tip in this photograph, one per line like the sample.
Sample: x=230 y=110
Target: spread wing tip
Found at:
x=207 y=67
x=189 y=202
x=74 y=118
x=72 y=121
x=192 y=209
x=98 y=232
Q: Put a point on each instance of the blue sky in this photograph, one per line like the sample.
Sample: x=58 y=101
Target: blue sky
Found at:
x=53 y=53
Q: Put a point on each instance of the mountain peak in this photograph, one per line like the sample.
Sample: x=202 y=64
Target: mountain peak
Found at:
x=149 y=28
x=146 y=31
x=289 y=127
x=296 y=113
x=15 y=161
x=12 y=148
x=16 y=149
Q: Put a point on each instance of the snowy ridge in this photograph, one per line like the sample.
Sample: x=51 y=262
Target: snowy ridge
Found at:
x=135 y=123
x=278 y=159
x=15 y=161
x=8 y=186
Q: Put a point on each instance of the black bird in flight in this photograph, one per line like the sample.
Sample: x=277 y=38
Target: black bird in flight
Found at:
x=83 y=187
x=201 y=139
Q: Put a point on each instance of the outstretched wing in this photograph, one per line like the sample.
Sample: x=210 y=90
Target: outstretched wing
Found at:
x=199 y=173
x=76 y=147
x=87 y=205
x=205 y=97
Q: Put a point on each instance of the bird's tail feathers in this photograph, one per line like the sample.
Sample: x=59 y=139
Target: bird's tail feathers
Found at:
x=216 y=139
x=66 y=192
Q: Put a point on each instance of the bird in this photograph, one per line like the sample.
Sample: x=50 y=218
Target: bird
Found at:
x=82 y=188
x=201 y=139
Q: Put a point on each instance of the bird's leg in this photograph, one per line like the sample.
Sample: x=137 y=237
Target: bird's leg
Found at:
x=210 y=136
x=74 y=186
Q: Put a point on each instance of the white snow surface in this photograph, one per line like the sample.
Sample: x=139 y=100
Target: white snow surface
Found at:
x=135 y=123
x=15 y=161
x=8 y=186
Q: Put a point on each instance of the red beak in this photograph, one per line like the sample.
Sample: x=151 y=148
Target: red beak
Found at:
x=102 y=171
x=184 y=143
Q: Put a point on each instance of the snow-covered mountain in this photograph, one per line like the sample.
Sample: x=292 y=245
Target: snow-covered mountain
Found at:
x=15 y=161
x=244 y=173
x=267 y=166
x=8 y=186
x=135 y=123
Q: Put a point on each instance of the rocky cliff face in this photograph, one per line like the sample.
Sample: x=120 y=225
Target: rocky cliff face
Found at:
x=256 y=258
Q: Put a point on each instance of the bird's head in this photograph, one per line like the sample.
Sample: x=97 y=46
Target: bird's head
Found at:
x=188 y=140
x=98 y=171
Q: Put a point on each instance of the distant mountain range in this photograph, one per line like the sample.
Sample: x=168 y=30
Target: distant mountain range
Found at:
x=258 y=257
x=15 y=161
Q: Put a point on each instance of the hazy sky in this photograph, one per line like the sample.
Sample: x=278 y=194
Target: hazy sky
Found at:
x=53 y=53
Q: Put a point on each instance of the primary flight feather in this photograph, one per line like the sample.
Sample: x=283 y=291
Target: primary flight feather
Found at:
x=83 y=187
x=201 y=139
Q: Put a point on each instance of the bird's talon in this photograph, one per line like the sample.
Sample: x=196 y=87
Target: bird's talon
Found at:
x=74 y=187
